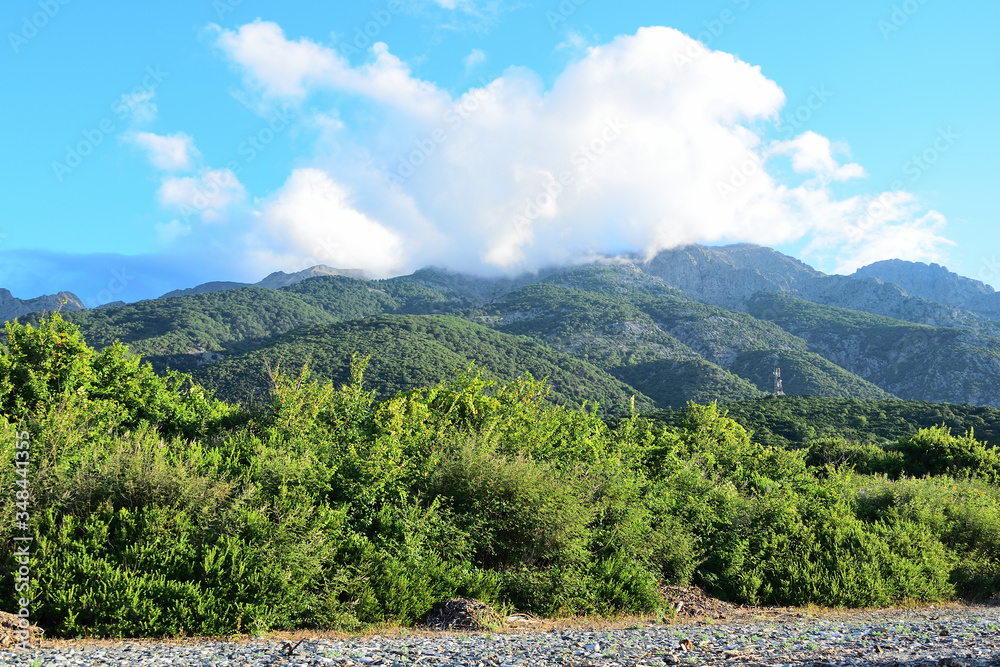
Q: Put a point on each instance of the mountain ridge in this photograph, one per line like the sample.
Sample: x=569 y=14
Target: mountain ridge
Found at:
x=694 y=323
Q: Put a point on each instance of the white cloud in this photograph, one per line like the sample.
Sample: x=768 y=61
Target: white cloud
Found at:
x=914 y=239
x=173 y=152
x=643 y=143
x=475 y=58
x=138 y=106
x=813 y=153
x=574 y=42
x=207 y=195
x=285 y=69
x=311 y=216
x=890 y=225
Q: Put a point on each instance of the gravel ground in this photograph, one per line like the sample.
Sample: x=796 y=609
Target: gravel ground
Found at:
x=941 y=636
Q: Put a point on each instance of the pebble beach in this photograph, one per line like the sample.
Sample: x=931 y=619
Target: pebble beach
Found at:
x=950 y=636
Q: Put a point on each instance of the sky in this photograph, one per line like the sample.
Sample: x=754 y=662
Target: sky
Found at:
x=150 y=146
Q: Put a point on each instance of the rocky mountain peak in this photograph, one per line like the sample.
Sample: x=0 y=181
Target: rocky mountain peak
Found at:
x=935 y=283
x=11 y=306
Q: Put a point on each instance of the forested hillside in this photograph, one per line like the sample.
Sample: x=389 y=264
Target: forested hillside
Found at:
x=920 y=362
x=411 y=351
x=651 y=325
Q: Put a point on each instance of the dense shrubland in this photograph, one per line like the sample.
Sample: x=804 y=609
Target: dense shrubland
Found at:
x=158 y=510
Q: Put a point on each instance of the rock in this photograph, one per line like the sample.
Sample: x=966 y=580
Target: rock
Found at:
x=691 y=601
x=462 y=614
x=11 y=306
x=10 y=625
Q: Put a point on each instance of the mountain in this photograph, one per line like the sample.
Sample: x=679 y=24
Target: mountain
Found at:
x=411 y=351
x=275 y=280
x=725 y=276
x=637 y=333
x=728 y=276
x=11 y=307
x=195 y=324
x=935 y=283
x=693 y=323
x=912 y=361
x=630 y=326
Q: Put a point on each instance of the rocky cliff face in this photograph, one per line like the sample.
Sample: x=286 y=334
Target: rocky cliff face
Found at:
x=11 y=306
x=726 y=276
x=280 y=279
x=935 y=283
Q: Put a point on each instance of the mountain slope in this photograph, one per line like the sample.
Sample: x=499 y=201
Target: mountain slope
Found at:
x=726 y=354
x=11 y=307
x=275 y=280
x=409 y=351
x=935 y=283
x=214 y=321
x=909 y=360
x=627 y=317
x=729 y=275
x=617 y=337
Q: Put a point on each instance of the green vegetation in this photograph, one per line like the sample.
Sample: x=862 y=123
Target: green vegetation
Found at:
x=158 y=510
x=805 y=374
x=214 y=321
x=628 y=324
x=411 y=351
x=913 y=361
x=617 y=337
x=793 y=421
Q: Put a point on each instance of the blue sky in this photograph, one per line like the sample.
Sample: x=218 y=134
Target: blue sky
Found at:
x=149 y=148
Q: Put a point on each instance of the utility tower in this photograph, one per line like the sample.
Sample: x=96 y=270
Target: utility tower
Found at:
x=778 y=389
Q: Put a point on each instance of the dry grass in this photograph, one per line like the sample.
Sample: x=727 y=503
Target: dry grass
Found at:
x=573 y=623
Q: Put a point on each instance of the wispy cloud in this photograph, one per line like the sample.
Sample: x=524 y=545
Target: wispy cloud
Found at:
x=206 y=196
x=173 y=152
x=475 y=58
x=137 y=105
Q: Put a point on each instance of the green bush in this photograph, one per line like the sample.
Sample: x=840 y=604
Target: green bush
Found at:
x=159 y=511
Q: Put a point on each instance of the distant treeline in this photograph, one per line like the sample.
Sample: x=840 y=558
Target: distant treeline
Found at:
x=794 y=421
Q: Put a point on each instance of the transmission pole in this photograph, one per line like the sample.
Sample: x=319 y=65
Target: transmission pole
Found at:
x=778 y=389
